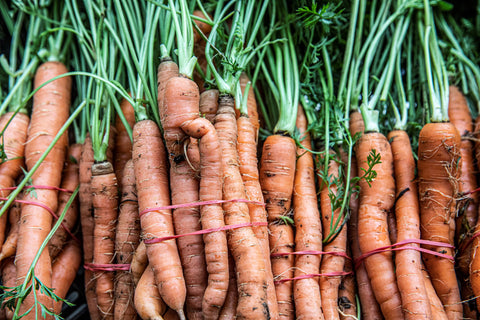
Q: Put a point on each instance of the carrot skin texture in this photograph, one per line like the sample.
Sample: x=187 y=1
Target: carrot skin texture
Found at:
x=244 y=246
x=123 y=143
x=438 y=163
x=70 y=181
x=153 y=191
x=308 y=228
x=105 y=204
x=180 y=105
x=148 y=302
x=64 y=270
x=216 y=249
x=436 y=306
x=347 y=292
x=127 y=238
x=10 y=246
x=375 y=201
x=230 y=306
x=139 y=262
x=50 y=111
x=408 y=262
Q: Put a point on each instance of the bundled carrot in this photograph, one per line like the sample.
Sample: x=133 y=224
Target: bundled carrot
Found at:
x=148 y=302
x=123 y=141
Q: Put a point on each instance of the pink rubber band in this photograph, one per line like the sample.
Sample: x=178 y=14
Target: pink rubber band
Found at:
x=106 y=267
x=394 y=246
x=204 y=231
x=312 y=252
x=40 y=187
x=198 y=203
x=313 y=275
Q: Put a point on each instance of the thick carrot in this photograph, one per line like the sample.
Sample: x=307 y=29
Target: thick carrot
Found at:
x=209 y=104
x=148 y=302
x=123 y=143
x=10 y=246
x=9 y=273
x=408 y=262
x=438 y=173
x=332 y=224
x=167 y=69
x=86 y=220
x=308 y=229
x=438 y=312
x=105 y=206
x=13 y=145
x=127 y=238
x=153 y=191
x=216 y=249
x=139 y=262
x=64 y=270
x=70 y=182
x=244 y=246
x=50 y=111
x=376 y=199
x=181 y=104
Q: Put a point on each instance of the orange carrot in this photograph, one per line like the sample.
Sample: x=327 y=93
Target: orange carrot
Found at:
x=230 y=306
x=70 y=182
x=153 y=191
x=408 y=262
x=438 y=312
x=376 y=198
x=105 y=206
x=438 y=164
x=251 y=273
x=148 y=302
x=139 y=262
x=9 y=272
x=123 y=143
x=50 y=111
x=64 y=270
x=209 y=104
x=10 y=246
x=347 y=306
x=127 y=238
x=308 y=229
x=86 y=220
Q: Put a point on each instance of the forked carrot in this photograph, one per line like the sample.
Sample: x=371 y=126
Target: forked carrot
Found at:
x=139 y=262
x=148 y=302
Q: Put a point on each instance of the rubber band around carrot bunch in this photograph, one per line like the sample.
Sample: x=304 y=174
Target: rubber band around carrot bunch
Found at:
x=205 y=231
x=40 y=187
x=312 y=252
x=198 y=203
x=313 y=275
x=394 y=247
x=106 y=267
x=49 y=210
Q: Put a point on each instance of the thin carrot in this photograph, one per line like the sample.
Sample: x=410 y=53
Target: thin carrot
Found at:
x=70 y=181
x=308 y=229
x=9 y=271
x=153 y=191
x=127 y=238
x=10 y=246
x=105 y=206
x=64 y=271
x=148 y=302
x=230 y=306
x=438 y=312
x=123 y=143
x=139 y=262
x=50 y=111
x=209 y=104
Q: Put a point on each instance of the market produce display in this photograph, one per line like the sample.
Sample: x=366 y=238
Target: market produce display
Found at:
x=188 y=159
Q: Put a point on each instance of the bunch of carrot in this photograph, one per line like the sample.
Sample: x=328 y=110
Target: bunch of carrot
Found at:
x=181 y=188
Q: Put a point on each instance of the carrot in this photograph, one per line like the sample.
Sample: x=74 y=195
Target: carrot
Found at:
x=64 y=270
x=438 y=312
x=70 y=182
x=10 y=246
x=127 y=238
x=251 y=103
x=181 y=104
x=209 y=104
x=86 y=220
x=105 y=205
x=308 y=229
x=251 y=273
x=139 y=262
x=152 y=192
x=167 y=69
x=123 y=143
x=332 y=224
x=376 y=199
x=438 y=161
x=12 y=161
x=231 y=300
x=408 y=262
x=347 y=292
x=148 y=302
x=50 y=111
x=216 y=249
x=247 y=157
x=9 y=271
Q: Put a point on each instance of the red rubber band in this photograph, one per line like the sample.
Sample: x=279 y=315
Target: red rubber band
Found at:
x=198 y=203
x=106 y=267
x=39 y=204
x=313 y=275
x=40 y=187
x=394 y=246
x=312 y=252
x=204 y=231
x=465 y=244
